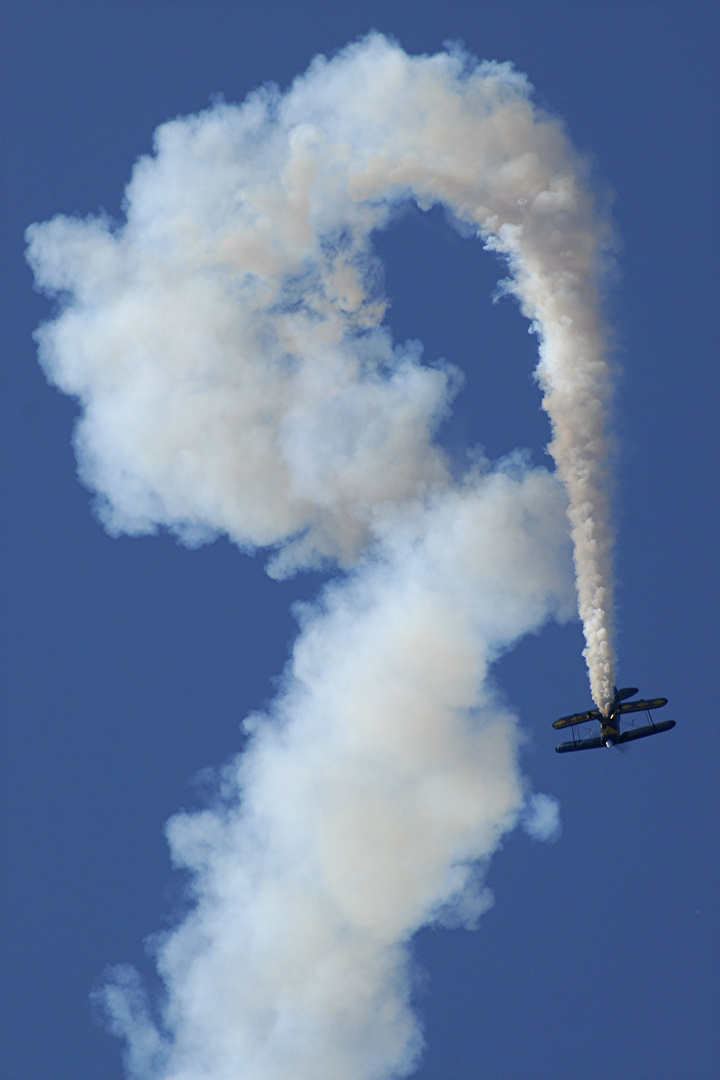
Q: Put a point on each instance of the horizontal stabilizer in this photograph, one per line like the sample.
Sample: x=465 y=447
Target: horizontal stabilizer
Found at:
x=626 y=692
x=645 y=703
x=643 y=732
x=577 y=718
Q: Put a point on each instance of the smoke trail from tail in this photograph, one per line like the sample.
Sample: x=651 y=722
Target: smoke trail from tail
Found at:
x=227 y=347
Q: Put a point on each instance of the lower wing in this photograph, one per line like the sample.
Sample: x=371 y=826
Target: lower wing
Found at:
x=626 y=737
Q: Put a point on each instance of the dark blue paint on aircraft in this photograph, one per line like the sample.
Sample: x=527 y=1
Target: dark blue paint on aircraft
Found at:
x=610 y=734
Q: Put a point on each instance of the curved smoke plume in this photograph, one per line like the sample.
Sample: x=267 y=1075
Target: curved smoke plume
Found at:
x=227 y=346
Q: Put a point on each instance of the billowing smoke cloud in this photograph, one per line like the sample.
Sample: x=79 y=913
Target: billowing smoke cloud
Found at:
x=227 y=347
x=365 y=806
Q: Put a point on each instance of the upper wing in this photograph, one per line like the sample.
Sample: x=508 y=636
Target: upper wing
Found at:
x=643 y=704
x=577 y=718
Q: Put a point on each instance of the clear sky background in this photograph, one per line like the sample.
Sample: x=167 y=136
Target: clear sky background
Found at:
x=128 y=664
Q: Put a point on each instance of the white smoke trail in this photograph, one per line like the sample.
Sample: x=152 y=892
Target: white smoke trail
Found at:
x=361 y=808
x=227 y=348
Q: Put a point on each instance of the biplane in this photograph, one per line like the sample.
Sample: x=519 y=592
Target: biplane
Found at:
x=610 y=733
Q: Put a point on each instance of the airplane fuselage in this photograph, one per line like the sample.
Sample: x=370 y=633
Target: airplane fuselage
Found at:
x=610 y=726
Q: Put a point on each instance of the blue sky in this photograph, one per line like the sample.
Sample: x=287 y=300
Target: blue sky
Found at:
x=131 y=662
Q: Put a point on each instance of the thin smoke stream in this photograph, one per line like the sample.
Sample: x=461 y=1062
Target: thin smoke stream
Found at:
x=227 y=346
